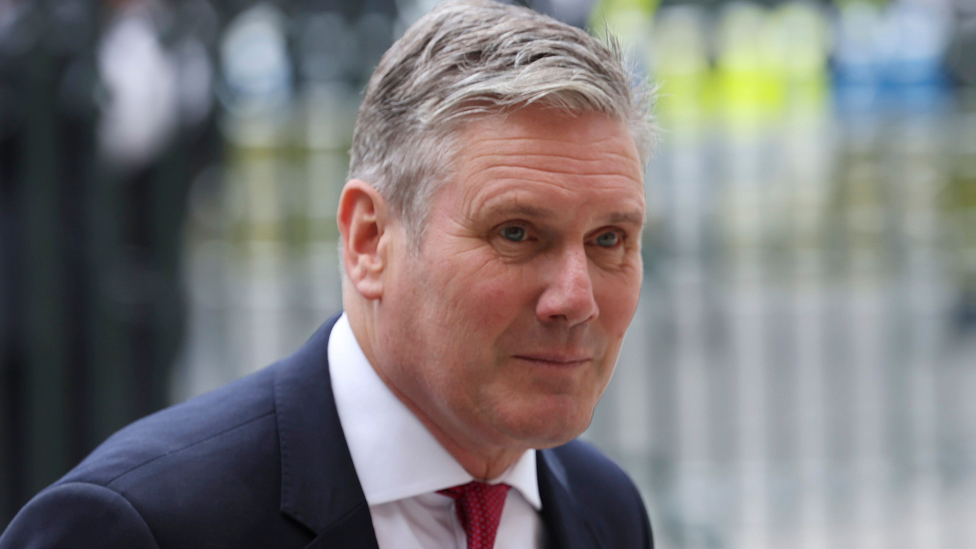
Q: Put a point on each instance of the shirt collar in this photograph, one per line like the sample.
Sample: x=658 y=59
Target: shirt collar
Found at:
x=395 y=456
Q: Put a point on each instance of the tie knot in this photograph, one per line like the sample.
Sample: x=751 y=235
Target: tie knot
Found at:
x=479 y=508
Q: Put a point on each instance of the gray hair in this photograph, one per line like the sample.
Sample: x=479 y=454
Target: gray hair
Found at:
x=471 y=58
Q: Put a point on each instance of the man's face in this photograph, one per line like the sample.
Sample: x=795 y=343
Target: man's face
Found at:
x=507 y=322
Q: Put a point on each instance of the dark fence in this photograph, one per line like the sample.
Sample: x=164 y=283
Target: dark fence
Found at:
x=91 y=307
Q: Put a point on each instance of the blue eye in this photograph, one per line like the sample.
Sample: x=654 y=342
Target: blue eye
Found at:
x=608 y=240
x=515 y=234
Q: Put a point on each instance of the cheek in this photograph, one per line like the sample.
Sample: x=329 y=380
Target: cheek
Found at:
x=482 y=294
x=617 y=295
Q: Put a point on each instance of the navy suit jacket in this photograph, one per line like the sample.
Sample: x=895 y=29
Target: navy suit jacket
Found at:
x=263 y=462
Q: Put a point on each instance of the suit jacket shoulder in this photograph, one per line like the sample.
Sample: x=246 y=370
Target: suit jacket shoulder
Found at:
x=204 y=473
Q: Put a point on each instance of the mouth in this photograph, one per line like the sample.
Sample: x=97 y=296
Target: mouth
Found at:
x=556 y=360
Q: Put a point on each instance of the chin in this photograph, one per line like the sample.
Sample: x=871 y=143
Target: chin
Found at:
x=549 y=424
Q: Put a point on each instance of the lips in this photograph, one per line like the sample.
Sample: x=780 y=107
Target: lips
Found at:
x=556 y=359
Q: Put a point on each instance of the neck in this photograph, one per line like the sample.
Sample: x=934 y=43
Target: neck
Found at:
x=483 y=462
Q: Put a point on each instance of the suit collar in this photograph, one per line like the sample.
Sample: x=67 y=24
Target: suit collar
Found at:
x=319 y=486
x=568 y=525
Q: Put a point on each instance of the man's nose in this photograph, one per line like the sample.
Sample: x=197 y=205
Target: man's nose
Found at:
x=568 y=295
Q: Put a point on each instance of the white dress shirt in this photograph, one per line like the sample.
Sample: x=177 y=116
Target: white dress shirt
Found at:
x=401 y=466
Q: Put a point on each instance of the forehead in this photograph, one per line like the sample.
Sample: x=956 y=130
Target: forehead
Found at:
x=543 y=160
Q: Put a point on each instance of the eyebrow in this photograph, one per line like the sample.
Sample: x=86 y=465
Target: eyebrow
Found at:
x=524 y=210
x=633 y=217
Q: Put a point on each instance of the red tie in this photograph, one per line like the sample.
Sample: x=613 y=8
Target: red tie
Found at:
x=479 y=507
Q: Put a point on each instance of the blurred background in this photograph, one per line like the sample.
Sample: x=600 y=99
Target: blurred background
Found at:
x=802 y=368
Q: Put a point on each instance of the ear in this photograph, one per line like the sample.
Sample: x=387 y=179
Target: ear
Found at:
x=363 y=219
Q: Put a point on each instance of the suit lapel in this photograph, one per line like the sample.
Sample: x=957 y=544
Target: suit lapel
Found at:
x=319 y=486
x=567 y=525
x=353 y=531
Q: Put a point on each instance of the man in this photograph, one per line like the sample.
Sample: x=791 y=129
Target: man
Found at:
x=491 y=247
